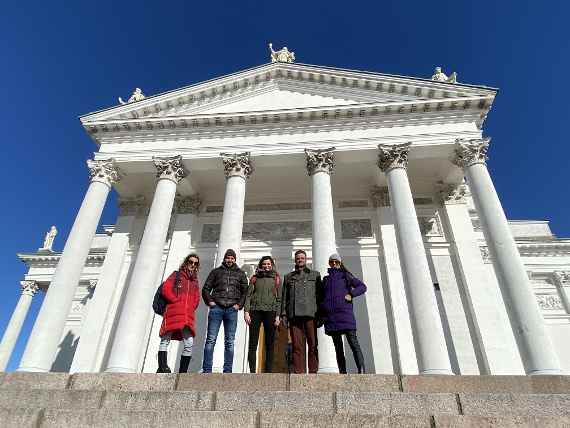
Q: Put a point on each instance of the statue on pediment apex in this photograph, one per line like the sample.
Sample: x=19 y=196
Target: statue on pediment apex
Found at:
x=136 y=96
x=49 y=238
x=282 y=55
x=440 y=76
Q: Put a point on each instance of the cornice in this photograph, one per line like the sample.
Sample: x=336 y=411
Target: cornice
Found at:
x=96 y=256
x=557 y=248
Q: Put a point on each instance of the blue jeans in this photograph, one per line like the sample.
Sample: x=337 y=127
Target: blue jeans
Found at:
x=217 y=315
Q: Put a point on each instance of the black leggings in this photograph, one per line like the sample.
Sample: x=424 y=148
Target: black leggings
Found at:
x=354 y=346
x=267 y=318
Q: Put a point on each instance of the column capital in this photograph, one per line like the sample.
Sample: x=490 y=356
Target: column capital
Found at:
x=170 y=168
x=380 y=196
x=131 y=206
x=320 y=160
x=561 y=278
x=104 y=171
x=237 y=164
x=391 y=156
x=92 y=284
x=470 y=152
x=29 y=287
x=448 y=194
x=187 y=204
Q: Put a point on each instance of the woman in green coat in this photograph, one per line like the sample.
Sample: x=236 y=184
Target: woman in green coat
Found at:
x=262 y=305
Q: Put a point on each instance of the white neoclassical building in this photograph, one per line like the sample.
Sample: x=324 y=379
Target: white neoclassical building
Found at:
x=388 y=171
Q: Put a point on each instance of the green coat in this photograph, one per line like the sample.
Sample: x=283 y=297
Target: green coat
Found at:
x=263 y=296
x=302 y=293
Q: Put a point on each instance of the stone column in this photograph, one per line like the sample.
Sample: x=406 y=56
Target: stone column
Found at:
x=100 y=317
x=238 y=167
x=128 y=345
x=429 y=339
x=320 y=166
x=46 y=335
x=12 y=332
x=535 y=346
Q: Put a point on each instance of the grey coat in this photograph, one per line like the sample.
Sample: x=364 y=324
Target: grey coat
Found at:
x=302 y=293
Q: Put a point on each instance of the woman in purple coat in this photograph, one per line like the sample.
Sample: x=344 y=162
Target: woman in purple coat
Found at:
x=339 y=288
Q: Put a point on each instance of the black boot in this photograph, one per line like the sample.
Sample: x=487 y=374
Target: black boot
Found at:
x=163 y=362
x=184 y=363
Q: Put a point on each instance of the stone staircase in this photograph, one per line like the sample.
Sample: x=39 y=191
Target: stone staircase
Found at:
x=279 y=400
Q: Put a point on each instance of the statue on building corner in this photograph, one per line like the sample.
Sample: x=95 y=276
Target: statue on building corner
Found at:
x=440 y=76
x=282 y=55
x=48 y=240
x=136 y=96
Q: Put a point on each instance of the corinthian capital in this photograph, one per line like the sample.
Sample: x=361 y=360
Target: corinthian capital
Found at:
x=561 y=278
x=380 y=196
x=29 y=287
x=170 y=168
x=392 y=156
x=187 y=205
x=104 y=171
x=239 y=164
x=320 y=160
x=470 y=152
x=451 y=193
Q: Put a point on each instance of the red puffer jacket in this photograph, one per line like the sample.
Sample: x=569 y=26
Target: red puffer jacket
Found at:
x=182 y=304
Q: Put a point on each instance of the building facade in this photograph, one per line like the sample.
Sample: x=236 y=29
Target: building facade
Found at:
x=388 y=171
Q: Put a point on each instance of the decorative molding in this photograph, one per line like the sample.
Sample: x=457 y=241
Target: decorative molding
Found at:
x=237 y=164
x=380 y=196
x=132 y=206
x=471 y=152
x=429 y=225
x=170 y=168
x=359 y=203
x=104 y=171
x=476 y=223
x=549 y=302
x=279 y=206
x=29 y=288
x=322 y=160
x=263 y=231
x=392 y=156
x=485 y=254
x=187 y=204
x=356 y=228
x=561 y=278
x=451 y=193
x=210 y=232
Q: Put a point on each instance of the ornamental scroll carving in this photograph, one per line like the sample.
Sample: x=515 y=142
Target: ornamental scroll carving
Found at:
x=380 y=196
x=188 y=205
x=471 y=152
x=29 y=288
x=392 y=156
x=452 y=193
x=549 y=302
x=104 y=171
x=170 y=168
x=320 y=160
x=239 y=164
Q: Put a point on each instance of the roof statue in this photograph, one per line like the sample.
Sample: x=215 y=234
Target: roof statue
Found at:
x=283 y=55
x=48 y=240
x=136 y=96
x=440 y=76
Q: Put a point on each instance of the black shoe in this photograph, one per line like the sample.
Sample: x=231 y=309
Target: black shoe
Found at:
x=184 y=363
x=163 y=362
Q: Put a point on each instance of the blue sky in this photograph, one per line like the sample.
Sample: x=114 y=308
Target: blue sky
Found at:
x=63 y=59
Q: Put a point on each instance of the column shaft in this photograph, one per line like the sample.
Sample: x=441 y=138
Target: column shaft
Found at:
x=232 y=216
x=42 y=345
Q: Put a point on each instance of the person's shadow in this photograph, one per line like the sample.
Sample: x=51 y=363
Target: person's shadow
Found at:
x=65 y=353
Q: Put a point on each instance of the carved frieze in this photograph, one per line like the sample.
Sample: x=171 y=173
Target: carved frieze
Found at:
x=353 y=204
x=132 y=206
x=485 y=255
x=321 y=160
x=470 y=152
x=392 y=156
x=104 y=171
x=237 y=164
x=549 y=302
x=451 y=193
x=263 y=231
x=380 y=196
x=170 y=168
x=187 y=205
x=429 y=226
x=356 y=228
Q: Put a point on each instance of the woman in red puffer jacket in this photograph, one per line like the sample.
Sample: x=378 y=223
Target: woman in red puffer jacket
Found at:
x=182 y=293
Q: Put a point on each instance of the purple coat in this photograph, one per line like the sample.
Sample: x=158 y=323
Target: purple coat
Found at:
x=336 y=312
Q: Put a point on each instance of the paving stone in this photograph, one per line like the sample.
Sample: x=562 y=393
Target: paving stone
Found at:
x=284 y=419
x=396 y=403
x=515 y=404
x=143 y=419
x=124 y=381
x=444 y=421
x=26 y=380
x=344 y=382
x=62 y=399
x=21 y=418
x=314 y=402
x=163 y=400
x=481 y=384
x=232 y=382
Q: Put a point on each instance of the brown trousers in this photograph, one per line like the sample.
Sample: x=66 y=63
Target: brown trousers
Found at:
x=304 y=329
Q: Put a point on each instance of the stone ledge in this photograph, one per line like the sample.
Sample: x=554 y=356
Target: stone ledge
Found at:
x=515 y=404
x=400 y=403
x=350 y=382
x=442 y=421
x=481 y=384
x=158 y=400
x=20 y=417
x=312 y=402
x=28 y=380
x=286 y=420
x=232 y=382
x=123 y=381
x=150 y=419
x=64 y=399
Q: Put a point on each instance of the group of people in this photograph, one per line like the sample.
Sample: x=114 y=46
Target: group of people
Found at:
x=302 y=302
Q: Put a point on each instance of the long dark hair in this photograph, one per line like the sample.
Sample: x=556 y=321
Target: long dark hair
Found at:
x=182 y=267
x=277 y=278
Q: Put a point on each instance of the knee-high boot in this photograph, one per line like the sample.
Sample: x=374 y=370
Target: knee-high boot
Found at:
x=163 y=362
x=184 y=363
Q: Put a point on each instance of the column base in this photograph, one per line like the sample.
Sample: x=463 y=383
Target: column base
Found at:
x=119 y=370
x=32 y=370
x=325 y=370
x=545 y=372
x=436 y=372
